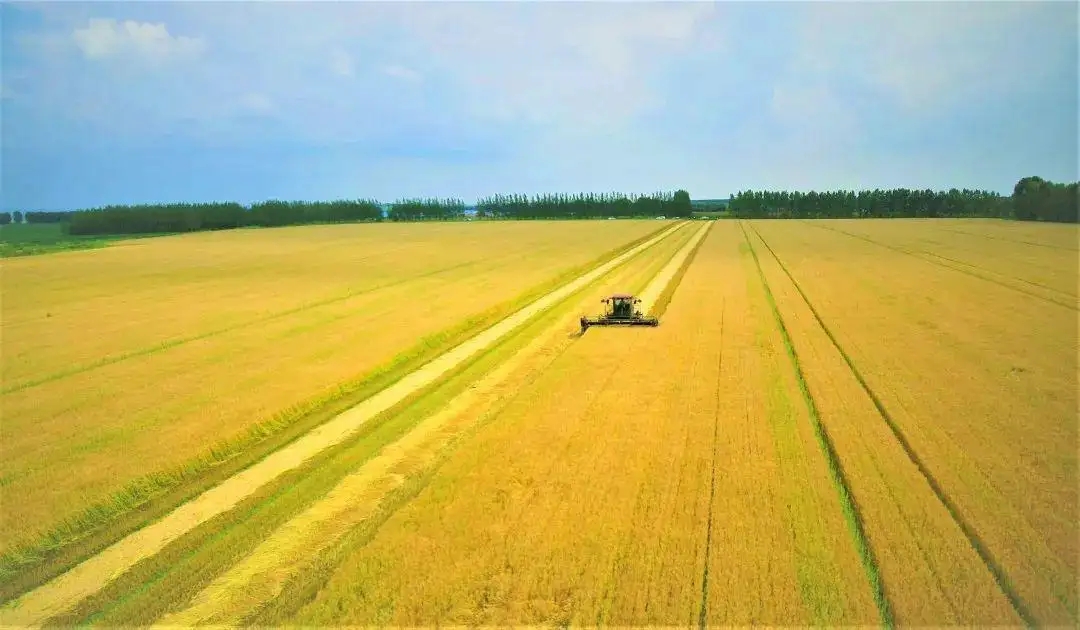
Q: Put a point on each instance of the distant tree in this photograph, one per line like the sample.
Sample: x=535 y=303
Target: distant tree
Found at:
x=47 y=217
x=1035 y=199
x=5 y=218
x=1029 y=195
x=16 y=217
x=680 y=204
x=899 y=202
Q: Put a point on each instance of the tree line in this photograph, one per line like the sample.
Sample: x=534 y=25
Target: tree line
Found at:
x=190 y=217
x=426 y=210
x=33 y=217
x=1033 y=199
x=585 y=206
x=187 y=217
x=894 y=203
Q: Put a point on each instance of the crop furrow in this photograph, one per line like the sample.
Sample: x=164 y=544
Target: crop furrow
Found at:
x=973 y=538
x=93 y=574
x=703 y=613
x=1074 y=306
x=174 y=343
x=1011 y=240
x=847 y=501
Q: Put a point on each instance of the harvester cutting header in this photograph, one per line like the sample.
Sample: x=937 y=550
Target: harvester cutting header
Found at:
x=621 y=311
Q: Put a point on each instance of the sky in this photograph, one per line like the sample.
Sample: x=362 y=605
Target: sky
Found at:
x=147 y=102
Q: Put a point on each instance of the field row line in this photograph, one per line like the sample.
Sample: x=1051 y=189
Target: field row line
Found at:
x=263 y=573
x=976 y=543
x=1018 y=279
x=88 y=577
x=919 y=254
x=242 y=593
x=1043 y=264
x=1011 y=240
x=840 y=482
x=173 y=343
x=82 y=534
x=704 y=610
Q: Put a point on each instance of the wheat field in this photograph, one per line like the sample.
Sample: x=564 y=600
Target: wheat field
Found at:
x=837 y=422
x=135 y=359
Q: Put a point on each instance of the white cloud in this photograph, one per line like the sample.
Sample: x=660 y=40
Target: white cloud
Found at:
x=341 y=63
x=401 y=72
x=257 y=103
x=546 y=67
x=109 y=38
x=582 y=65
x=928 y=56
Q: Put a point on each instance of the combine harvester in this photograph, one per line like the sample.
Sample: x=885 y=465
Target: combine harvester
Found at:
x=621 y=311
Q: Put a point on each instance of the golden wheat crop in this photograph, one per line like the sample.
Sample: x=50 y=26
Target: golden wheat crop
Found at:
x=1052 y=235
x=773 y=485
x=836 y=423
x=588 y=500
x=979 y=379
x=931 y=573
x=126 y=360
x=1046 y=268
x=292 y=552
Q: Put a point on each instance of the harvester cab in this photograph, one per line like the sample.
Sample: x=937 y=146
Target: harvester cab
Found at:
x=621 y=311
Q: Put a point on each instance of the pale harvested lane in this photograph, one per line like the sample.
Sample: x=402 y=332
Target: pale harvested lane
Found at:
x=259 y=577
x=90 y=576
x=663 y=279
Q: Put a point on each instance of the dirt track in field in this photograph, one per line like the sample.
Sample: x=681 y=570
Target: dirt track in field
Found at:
x=90 y=576
x=259 y=577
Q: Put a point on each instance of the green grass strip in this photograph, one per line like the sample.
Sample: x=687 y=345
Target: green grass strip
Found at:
x=847 y=502
x=150 y=497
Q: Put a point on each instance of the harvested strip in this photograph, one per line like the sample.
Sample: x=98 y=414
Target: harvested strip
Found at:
x=166 y=582
x=932 y=575
x=132 y=428
x=664 y=278
x=576 y=489
x=594 y=488
x=260 y=576
x=88 y=577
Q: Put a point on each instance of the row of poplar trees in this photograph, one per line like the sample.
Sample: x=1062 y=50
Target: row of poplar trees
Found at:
x=1033 y=199
x=188 y=217
x=585 y=206
x=33 y=217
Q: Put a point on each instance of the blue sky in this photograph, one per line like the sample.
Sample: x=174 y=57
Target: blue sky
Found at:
x=141 y=102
